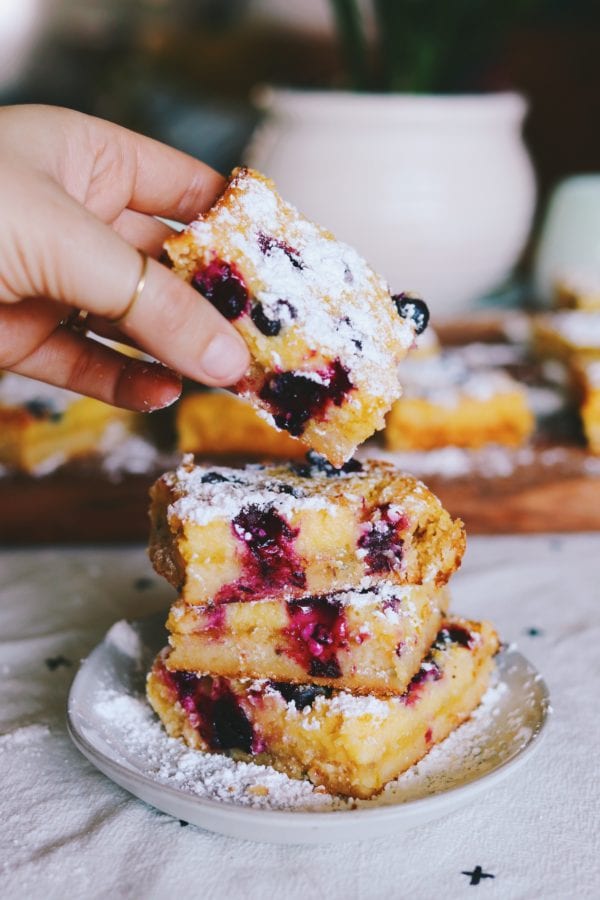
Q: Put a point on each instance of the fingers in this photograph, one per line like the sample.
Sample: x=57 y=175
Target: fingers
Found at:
x=174 y=323
x=163 y=181
x=25 y=326
x=170 y=183
x=107 y=167
x=72 y=257
x=142 y=231
x=79 y=364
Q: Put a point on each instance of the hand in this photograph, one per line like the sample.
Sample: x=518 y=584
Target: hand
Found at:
x=78 y=195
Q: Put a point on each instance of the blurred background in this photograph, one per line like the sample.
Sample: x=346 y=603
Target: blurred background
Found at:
x=454 y=143
x=189 y=72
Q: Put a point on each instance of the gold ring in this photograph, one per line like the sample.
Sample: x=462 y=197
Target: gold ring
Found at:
x=137 y=292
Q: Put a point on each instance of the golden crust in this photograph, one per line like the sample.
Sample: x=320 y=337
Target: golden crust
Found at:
x=415 y=423
x=334 y=520
x=336 y=327
x=29 y=442
x=368 y=643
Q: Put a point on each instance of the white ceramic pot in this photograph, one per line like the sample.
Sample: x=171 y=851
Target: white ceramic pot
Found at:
x=437 y=192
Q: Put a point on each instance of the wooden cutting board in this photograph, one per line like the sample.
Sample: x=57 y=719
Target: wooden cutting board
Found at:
x=555 y=488
x=81 y=504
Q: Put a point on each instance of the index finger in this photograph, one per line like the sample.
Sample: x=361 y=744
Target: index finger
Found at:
x=165 y=182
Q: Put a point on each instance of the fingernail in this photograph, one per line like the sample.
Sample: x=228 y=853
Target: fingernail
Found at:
x=225 y=359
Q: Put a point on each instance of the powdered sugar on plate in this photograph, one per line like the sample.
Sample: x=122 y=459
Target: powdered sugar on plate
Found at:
x=210 y=776
x=468 y=753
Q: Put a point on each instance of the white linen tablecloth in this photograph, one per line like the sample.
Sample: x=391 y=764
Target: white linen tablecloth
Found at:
x=68 y=832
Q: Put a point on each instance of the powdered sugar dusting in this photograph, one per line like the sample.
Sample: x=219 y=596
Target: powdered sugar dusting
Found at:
x=202 y=494
x=208 y=776
x=592 y=373
x=447 y=379
x=581 y=329
x=306 y=280
x=497 y=731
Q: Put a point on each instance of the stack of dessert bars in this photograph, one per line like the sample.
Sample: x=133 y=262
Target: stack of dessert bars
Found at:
x=311 y=630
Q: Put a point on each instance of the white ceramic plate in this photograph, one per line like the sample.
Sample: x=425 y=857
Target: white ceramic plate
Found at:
x=131 y=749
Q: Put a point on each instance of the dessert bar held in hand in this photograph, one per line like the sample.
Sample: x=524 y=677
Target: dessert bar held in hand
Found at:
x=366 y=642
x=221 y=535
x=352 y=745
x=324 y=333
x=217 y=423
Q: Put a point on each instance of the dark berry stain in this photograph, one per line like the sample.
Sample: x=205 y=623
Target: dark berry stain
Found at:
x=428 y=672
x=317 y=465
x=222 y=284
x=301 y=695
x=453 y=634
x=267 y=326
x=54 y=662
x=294 y=398
x=321 y=668
x=267 y=244
x=269 y=559
x=43 y=409
x=380 y=540
x=412 y=308
x=214 y=621
x=317 y=631
x=232 y=728
x=214 y=710
x=279 y=487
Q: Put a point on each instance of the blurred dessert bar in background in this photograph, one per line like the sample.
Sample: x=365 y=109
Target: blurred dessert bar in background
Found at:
x=217 y=423
x=42 y=426
x=446 y=402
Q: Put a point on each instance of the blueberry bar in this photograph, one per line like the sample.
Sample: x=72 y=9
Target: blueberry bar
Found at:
x=369 y=641
x=444 y=402
x=324 y=333
x=42 y=426
x=223 y=535
x=352 y=745
x=564 y=335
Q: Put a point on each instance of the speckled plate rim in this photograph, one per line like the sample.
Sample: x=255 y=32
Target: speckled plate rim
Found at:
x=283 y=826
